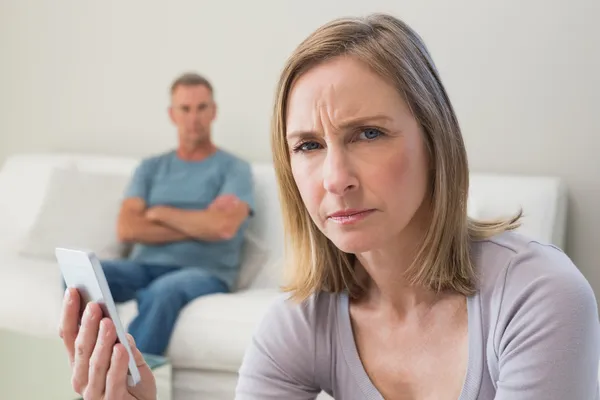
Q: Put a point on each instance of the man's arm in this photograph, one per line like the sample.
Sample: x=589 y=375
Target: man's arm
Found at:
x=220 y=221
x=134 y=227
x=224 y=217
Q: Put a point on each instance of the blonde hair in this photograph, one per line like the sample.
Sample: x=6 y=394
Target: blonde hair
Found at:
x=396 y=53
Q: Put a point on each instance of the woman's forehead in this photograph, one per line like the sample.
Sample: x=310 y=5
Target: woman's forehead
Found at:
x=339 y=90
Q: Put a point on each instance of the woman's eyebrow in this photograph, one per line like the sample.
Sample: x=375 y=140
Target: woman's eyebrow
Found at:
x=344 y=125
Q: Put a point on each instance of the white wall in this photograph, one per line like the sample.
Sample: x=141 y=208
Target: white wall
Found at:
x=94 y=75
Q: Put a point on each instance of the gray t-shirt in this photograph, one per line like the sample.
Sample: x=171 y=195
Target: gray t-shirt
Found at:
x=533 y=334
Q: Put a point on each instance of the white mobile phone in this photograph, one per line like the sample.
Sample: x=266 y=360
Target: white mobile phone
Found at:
x=82 y=270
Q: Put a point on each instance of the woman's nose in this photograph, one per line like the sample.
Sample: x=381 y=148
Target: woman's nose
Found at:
x=339 y=176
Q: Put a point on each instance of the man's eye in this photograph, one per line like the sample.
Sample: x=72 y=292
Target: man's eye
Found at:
x=370 y=134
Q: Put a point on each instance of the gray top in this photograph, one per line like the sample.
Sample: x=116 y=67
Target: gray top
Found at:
x=533 y=334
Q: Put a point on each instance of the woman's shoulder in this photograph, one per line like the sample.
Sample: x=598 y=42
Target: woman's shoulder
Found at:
x=318 y=310
x=292 y=341
x=520 y=274
x=539 y=315
x=512 y=256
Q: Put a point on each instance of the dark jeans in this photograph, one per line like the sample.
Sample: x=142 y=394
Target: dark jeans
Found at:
x=161 y=292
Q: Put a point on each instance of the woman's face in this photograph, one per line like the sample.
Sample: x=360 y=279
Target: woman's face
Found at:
x=357 y=156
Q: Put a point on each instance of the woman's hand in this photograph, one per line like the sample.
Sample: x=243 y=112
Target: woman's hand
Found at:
x=99 y=364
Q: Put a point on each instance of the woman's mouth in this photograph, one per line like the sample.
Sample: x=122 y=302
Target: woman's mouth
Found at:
x=349 y=216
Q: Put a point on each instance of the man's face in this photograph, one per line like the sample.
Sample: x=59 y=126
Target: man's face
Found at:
x=192 y=111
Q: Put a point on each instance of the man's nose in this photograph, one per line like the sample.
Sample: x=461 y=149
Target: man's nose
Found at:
x=339 y=176
x=193 y=117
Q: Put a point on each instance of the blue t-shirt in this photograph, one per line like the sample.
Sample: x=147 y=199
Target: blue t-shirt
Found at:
x=167 y=180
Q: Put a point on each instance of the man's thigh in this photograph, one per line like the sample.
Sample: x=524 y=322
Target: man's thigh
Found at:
x=124 y=278
x=189 y=283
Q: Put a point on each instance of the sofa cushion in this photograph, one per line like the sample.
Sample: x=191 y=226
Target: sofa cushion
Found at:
x=255 y=255
x=32 y=292
x=79 y=210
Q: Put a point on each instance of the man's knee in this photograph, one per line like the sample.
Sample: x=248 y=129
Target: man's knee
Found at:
x=122 y=270
x=162 y=296
x=115 y=264
x=183 y=287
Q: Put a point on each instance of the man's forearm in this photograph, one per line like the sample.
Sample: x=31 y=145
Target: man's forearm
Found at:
x=209 y=224
x=199 y=224
x=139 y=229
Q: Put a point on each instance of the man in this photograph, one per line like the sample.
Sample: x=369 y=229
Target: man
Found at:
x=185 y=213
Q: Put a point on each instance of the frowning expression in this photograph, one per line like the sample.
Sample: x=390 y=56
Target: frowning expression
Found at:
x=357 y=154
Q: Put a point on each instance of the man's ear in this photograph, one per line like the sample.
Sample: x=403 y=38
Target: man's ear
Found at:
x=215 y=109
x=170 y=112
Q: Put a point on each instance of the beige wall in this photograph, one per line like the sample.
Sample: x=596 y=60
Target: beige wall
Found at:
x=93 y=76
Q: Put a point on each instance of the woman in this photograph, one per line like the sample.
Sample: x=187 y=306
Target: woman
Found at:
x=395 y=293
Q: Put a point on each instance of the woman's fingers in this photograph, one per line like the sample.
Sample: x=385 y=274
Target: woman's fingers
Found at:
x=100 y=359
x=69 y=321
x=84 y=346
x=137 y=354
x=116 y=379
x=99 y=366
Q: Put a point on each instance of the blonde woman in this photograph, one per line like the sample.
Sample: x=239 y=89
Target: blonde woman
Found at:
x=394 y=292
x=402 y=296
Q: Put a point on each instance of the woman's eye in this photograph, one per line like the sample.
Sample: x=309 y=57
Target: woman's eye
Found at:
x=307 y=146
x=370 y=134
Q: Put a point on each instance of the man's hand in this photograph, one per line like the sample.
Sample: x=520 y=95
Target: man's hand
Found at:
x=225 y=203
x=156 y=213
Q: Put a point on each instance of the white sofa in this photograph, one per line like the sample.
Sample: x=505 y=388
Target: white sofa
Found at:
x=212 y=332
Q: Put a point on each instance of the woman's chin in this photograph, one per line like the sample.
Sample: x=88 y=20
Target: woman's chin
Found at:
x=353 y=242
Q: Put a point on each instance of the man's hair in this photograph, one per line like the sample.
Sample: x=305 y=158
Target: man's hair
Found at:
x=397 y=54
x=191 y=79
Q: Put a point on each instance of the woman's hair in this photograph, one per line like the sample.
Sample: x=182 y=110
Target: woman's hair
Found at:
x=397 y=54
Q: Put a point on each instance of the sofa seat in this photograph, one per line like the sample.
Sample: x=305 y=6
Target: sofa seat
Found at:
x=212 y=332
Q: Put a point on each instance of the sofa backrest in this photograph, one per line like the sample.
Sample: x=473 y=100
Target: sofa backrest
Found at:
x=24 y=179
x=543 y=200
